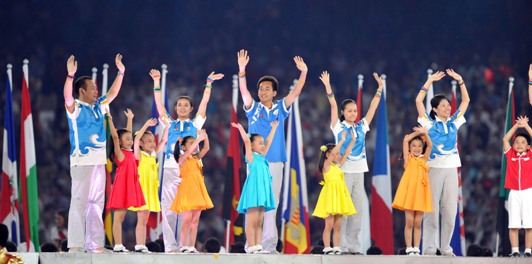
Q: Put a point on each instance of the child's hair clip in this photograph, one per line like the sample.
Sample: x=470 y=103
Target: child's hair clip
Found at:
x=323 y=148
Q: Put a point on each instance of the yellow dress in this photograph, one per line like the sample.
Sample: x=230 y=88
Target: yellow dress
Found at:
x=413 y=192
x=149 y=182
x=191 y=192
x=334 y=197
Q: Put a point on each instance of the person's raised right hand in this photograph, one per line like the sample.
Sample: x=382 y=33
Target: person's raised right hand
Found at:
x=243 y=59
x=72 y=65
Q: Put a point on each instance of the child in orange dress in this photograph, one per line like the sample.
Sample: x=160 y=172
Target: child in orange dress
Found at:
x=413 y=193
x=192 y=196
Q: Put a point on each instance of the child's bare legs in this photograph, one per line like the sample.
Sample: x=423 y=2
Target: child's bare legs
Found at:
x=140 y=230
x=528 y=238
x=118 y=219
x=514 y=237
x=193 y=231
x=258 y=226
x=409 y=226
x=418 y=218
x=185 y=228
x=336 y=229
x=329 y=222
x=252 y=216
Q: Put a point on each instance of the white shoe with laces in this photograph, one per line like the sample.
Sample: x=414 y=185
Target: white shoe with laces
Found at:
x=119 y=248
x=141 y=249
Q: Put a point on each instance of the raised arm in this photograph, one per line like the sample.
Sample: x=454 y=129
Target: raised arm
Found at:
x=349 y=147
x=164 y=137
x=376 y=99
x=327 y=162
x=72 y=66
x=269 y=139
x=156 y=77
x=530 y=84
x=506 y=139
x=420 y=105
x=325 y=78
x=206 y=146
x=243 y=60
x=207 y=92
x=115 y=87
x=424 y=131
x=291 y=97
x=114 y=135
x=192 y=148
x=463 y=89
x=526 y=125
x=136 y=144
x=129 y=125
x=247 y=141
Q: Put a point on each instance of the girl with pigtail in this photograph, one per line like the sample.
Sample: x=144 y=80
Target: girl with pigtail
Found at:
x=334 y=201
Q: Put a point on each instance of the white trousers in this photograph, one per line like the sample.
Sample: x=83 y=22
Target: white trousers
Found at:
x=86 y=207
x=444 y=188
x=350 y=231
x=169 y=221
x=270 y=235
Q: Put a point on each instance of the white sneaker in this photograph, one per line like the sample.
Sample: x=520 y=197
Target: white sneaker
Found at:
x=184 y=249
x=119 y=248
x=254 y=249
x=141 y=249
x=328 y=251
x=192 y=250
x=337 y=251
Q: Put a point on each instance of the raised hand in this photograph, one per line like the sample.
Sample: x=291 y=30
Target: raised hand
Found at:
x=344 y=134
x=215 y=76
x=378 y=79
x=300 y=64
x=119 y=64
x=421 y=130
x=243 y=58
x=274 y=124
x=436 y=76
x=151 y=122
x=521 y=121
x=155 y=74
x=129 y=113
x=72 y=65
x=236 y=125
x=325 y=78
x=530 y=73
x=202 y=134
x=108 y=113
x=455 y=75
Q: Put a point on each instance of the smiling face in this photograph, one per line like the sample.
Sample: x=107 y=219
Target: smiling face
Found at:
x=126 y=140
x=89 y=94
x=443 y=110
x=350 y=112
x=183 y=108
x=147 y=142
x=257 y=144
x=520 y=144
x=416 y=147
x=336 y=157
x=266 y=92
x=188 y=143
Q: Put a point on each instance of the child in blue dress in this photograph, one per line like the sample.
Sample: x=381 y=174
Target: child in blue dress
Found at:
x=257 y=194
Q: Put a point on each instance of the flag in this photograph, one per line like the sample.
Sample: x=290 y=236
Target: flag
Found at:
x=295 y=200
x=502 y=212
x=232 y=179
x=9 y=206
x=381 y=198
x=28 y=168
x=107 y=216
x=458 y=238
x=359 y=97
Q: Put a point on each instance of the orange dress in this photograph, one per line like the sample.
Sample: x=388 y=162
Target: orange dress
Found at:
x=191 y=192
x=413 y=192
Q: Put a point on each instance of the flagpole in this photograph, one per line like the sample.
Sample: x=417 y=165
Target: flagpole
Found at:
x=105 y=76
x=94 y=74
x=10 y=75
x=430 y=92
x=228 y=221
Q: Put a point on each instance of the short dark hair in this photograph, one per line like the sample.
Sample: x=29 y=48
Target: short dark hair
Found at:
x=4 y=234
x=237 y=247
x=526 y=136
x=474 y=250
x=80 y=83
x=49 y=247
x=212 y=245
x=64 y=245
x=268 y=78
x=154 y=247
x=374 y=251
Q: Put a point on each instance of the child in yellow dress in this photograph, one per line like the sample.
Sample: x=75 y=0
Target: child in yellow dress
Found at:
x=334 y=201
x=192 y=196
x=413 y=194
x=146 y=149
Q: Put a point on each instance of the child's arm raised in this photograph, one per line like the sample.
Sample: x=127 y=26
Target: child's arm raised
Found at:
x=202 y=108
x=327 y=162
x=523 y=122
x=243 y=59
x=129 y=125
x=206 y=146
x=72 y=66
x=425 y=132
x=291 y=97
x=506 y=139
x=116 y=141
x=349 y=147
x=465 y=95
x=164 y=137
x=325 y=78
x=269 y=139
x=247 y=141
x=136 y=144
x=421 y=111
x=192 y=148
x=156 y=76
x=376 y=99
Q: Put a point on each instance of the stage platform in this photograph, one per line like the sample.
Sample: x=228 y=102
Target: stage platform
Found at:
x=115 y=258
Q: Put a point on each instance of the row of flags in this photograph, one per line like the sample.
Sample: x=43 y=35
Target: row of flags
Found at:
x=19 y=200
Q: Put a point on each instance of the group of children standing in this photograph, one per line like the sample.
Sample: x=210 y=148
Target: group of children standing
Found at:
x=428 y=188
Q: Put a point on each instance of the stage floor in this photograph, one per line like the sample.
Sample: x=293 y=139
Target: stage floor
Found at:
x=115 y=258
